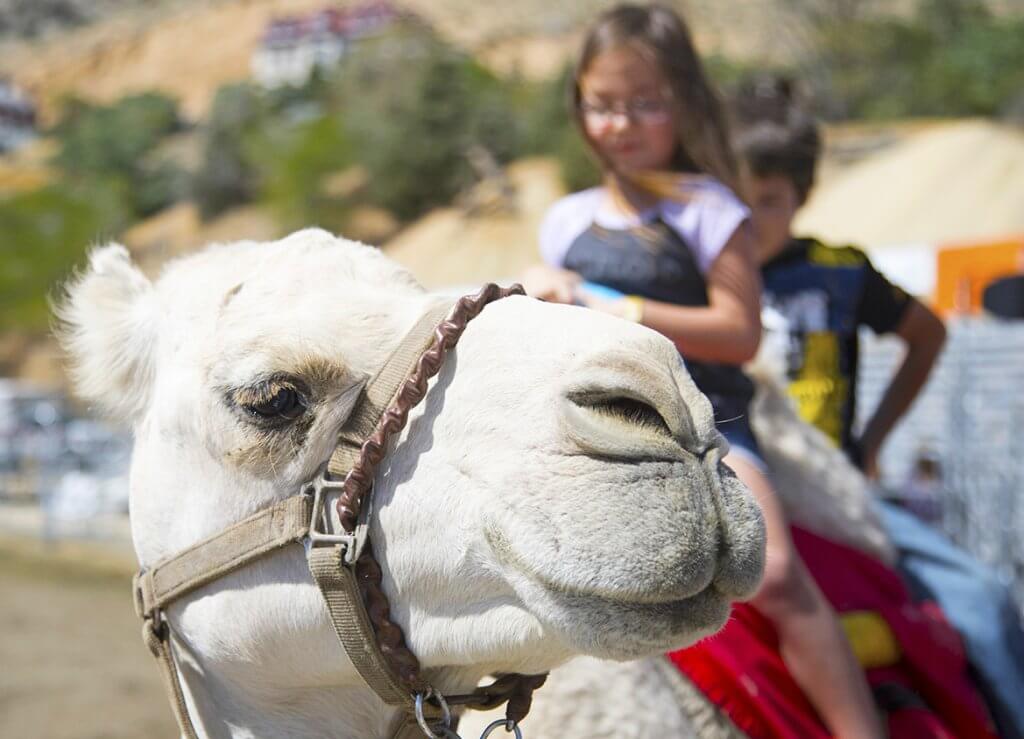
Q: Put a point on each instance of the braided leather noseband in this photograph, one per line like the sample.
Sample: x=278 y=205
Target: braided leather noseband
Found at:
x=342 y=564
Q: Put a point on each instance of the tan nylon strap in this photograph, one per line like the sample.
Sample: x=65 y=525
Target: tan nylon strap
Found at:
x=157 y=638
x=381 y=390
x=235 y=547
x=352 y=625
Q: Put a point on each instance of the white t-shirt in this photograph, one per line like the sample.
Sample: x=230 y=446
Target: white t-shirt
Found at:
x=705 y=222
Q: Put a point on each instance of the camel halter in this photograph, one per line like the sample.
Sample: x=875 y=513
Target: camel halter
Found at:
x=342 y=564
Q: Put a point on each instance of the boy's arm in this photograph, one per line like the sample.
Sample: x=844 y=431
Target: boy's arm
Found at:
x=924 y=335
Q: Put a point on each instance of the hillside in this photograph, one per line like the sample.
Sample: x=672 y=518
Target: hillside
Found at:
x=189 y=48
x=44 y=18
x=447 y=247
x=951 y=181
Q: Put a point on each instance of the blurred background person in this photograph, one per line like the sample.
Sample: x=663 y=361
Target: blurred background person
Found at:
x=922 y=493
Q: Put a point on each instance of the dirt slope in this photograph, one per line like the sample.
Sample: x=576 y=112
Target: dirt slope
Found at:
x=446 y=248
x=954 y=181
x=190 y=47
x=188 y=51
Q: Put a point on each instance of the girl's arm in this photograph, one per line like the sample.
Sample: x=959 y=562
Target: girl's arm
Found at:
x=728 y=329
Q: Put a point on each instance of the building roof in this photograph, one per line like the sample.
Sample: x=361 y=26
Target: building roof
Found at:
x=344 y=23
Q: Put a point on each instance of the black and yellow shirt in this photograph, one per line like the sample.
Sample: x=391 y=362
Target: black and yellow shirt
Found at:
x=826 y=293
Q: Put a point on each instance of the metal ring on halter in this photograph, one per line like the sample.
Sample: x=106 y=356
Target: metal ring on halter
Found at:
x=507 y=724
x=446 y=717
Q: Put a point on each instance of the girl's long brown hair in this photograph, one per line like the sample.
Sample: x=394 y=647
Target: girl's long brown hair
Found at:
x=702 y=133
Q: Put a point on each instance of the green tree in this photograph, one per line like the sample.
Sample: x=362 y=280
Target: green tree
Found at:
x=44 y=234
x=978 y=69
x=950 y=58
x=294 y=162
x=228 y=176
x=112 y=144
x=543 y=108
x=414 y=107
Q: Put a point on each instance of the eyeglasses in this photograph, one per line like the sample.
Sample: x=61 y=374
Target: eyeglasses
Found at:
x=641 y=110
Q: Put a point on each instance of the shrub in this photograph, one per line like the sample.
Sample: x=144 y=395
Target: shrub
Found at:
x=951 y=58
x=293 y=163
x=112 y=143
x=227 y=175
x=414 y=115
x=45 y=233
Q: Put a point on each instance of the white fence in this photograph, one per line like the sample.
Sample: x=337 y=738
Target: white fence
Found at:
x=970 y=416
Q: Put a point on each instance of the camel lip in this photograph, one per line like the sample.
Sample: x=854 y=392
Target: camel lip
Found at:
x=667 y=604
x=508 y=556
x=692 y=618
x=615 y=597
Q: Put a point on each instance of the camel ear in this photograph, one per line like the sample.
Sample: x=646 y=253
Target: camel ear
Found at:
x=106 y=323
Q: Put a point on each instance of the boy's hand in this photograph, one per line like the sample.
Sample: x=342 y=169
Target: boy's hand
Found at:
x=865 y=455
x=869 y=464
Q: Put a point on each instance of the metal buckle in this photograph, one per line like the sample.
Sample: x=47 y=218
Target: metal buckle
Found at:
x=508 y=725
x=446 y=715
x=317 y=536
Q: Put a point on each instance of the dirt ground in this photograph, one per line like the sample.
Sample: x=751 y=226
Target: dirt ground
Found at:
x=72 y=663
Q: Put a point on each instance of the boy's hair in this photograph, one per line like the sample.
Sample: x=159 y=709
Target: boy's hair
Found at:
x=775 y=135
x=659 y=32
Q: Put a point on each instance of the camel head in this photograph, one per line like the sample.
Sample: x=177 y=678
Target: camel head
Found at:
x=558 y=492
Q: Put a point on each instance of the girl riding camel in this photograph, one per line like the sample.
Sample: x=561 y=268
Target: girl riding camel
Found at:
x=670 y=238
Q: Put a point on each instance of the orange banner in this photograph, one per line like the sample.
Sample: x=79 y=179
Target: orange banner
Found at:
x=965 y=270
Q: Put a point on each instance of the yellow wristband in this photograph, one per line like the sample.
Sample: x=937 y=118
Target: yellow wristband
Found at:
x=634 y=309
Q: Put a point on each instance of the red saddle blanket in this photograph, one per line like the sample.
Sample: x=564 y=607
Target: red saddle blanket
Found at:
x=741 y=671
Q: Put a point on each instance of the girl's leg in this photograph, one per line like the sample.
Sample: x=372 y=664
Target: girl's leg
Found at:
x=811 y=640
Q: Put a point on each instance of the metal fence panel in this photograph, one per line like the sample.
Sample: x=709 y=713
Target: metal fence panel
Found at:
x=968 y=416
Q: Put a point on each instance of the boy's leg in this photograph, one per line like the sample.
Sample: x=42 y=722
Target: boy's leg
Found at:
x=975 y=602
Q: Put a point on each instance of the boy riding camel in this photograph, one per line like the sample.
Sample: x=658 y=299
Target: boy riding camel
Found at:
x=826 y=294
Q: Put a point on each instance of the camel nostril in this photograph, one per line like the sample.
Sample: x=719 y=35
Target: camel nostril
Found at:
x=624 y=408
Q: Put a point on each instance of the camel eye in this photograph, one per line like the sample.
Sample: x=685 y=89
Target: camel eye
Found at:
x=634 y=412
x=285 y=403
x=272 y=401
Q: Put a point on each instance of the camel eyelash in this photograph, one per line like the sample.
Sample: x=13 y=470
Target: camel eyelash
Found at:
x=272 y=402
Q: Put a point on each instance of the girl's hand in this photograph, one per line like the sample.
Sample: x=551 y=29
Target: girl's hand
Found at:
x=551 y=284
x=615 y=307
x=630 y=307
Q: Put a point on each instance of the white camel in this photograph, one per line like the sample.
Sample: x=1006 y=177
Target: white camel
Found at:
x=557 y=494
